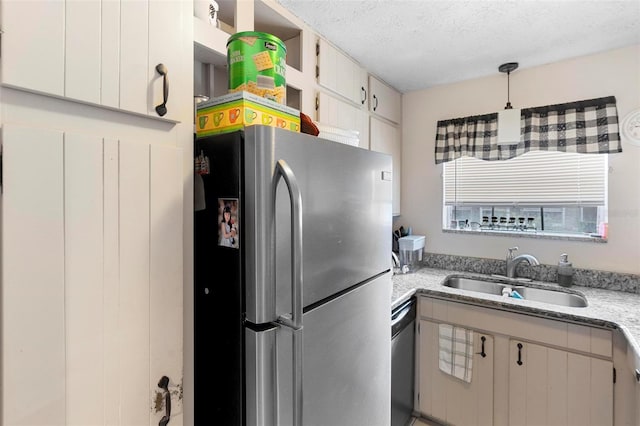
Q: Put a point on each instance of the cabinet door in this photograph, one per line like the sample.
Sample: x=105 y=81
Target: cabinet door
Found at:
x=82 y=73
x=339 y=73
x=33 y=45
x=448 y=398
x=384 y=100
x=170 y=44
x=344 y=115
x=554 y=387
x=104 y=53
x=92 y=240
x=384 y=137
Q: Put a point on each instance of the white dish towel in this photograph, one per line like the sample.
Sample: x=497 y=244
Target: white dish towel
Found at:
x=456 y=351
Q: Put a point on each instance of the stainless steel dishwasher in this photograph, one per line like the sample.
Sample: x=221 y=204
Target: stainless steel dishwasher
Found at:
x=403 y=319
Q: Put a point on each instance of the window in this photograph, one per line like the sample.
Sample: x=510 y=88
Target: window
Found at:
x=541 y=192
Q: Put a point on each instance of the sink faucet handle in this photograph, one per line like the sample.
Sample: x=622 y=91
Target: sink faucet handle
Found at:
x=511 y=251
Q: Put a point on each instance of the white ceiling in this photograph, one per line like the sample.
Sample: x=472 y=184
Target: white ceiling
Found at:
x=414 y=44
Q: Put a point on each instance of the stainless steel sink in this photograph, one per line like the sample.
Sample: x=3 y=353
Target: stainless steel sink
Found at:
x=551 y=296
x=470 y=284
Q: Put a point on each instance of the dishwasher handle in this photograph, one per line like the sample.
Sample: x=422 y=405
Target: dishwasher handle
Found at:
x=399 y=315
x=402 y=316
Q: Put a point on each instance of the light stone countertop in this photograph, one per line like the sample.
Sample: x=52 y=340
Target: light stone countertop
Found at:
x=606 y=308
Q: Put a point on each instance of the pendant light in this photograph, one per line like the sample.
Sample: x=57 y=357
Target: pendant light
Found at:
x=509 y=118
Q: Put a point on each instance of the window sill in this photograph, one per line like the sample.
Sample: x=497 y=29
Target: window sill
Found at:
x=530 y=234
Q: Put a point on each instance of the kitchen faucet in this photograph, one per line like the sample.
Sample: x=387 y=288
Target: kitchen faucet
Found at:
x=513 y=262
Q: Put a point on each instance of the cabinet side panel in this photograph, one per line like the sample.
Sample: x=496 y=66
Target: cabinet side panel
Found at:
x=82 y=50
x=166 y=274
x=33 y=34
x=425 y=362
x=32 y=312
x=134 y=283
x=84 y=322
x=134 y=55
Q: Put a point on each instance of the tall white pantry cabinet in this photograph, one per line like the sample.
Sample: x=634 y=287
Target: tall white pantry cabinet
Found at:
x=96 y=210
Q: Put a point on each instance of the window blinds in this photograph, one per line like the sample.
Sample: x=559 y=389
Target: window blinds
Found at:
x=537 y=178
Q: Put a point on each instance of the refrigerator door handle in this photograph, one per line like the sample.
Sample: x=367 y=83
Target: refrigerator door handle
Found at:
x=283 y=170
x=294 y=321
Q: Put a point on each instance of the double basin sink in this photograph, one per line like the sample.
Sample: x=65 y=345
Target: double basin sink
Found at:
x=555 y=297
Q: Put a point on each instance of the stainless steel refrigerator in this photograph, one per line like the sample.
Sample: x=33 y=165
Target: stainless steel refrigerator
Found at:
x=292 y=281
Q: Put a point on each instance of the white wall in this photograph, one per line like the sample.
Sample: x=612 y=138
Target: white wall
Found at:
x=615 y=72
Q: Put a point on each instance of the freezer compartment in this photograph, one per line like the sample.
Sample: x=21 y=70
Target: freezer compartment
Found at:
x=346 y=360
x=346 y=218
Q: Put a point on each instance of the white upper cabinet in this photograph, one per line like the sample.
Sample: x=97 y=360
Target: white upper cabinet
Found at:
x=102 y=53
x=384 y=100
x=33 y=45
x=340 y=74
x=386 y=138
x=335 y=112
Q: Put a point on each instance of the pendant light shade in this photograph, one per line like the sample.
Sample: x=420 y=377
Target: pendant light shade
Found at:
x=509 y=126
x=509 y=118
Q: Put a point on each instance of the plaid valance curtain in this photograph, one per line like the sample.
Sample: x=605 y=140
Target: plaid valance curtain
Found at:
x=589 y=127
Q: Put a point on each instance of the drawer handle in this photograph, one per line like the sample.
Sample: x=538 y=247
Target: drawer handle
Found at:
x=483 y=353
x=519 y=354
x=163 y=71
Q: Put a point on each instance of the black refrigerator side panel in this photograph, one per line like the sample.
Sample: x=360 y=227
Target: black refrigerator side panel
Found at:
x=218 y=292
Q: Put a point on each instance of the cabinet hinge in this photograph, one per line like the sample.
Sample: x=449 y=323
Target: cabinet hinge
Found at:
x=317 y=71
x=418 y=396
x=418 y=328
x=614 y=374
x=317 y=103
x=318 y=49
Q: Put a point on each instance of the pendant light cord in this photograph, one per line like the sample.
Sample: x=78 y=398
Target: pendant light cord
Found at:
x=508 y=106
x=508 y=67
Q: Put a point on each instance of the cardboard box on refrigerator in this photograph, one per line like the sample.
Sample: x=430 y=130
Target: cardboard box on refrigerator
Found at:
x=236 y=110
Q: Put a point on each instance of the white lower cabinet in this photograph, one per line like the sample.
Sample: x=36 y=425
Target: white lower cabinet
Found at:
x=92 y=278
x=550 y=386
x=537 y=371
x=447 y=398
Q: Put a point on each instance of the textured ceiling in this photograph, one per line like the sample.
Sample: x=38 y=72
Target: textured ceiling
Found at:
x=418 y=44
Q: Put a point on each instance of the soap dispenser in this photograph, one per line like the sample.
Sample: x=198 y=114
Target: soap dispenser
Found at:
x=565 y=271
